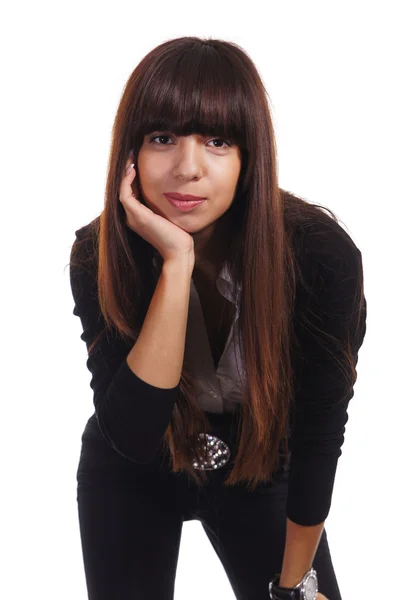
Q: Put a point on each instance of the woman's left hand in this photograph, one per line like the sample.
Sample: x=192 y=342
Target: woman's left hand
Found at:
x=320 y=597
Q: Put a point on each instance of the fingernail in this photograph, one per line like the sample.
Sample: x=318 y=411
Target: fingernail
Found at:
x=129 y=168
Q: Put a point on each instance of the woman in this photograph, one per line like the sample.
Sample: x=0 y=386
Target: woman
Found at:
x=222 y=339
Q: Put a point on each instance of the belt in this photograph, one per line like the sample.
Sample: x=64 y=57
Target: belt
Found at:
x=214 y=452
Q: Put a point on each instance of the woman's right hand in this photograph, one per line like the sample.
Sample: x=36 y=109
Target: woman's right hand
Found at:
x=171 y=241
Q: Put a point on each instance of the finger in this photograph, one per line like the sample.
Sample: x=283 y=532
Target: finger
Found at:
x=125 y=191
x=130 y=202
x=130 y=160
x=130 y=157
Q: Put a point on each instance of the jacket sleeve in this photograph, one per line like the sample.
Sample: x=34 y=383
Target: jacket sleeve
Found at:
x=323 y=390
x=131 y=414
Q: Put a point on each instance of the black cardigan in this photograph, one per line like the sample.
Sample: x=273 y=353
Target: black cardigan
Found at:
x=133 y=415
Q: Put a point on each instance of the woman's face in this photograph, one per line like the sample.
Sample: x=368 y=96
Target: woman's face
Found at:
x=200 y=165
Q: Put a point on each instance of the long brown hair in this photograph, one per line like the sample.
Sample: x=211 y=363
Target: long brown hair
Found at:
x=191 y=85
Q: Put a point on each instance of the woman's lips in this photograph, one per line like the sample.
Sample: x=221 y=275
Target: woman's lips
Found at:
x=184 y=205
x=178 y=196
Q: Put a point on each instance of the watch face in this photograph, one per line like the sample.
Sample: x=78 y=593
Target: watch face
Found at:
x=310 y=588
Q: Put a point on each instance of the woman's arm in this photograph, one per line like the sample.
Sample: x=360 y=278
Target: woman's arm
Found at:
x=331 y=313
x=326 y=320
x=135 y=388
x=330 y=317
x=300 y=549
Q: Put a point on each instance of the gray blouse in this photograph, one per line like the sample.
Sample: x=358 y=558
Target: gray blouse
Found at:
x=219 y=390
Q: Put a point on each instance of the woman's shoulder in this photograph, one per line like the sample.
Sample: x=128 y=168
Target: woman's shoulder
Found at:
x=329 y=248
x=318 y=237
x=83 y=264
x=89 y=232
x=85 y=243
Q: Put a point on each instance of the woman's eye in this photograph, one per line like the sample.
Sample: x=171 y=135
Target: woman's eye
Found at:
x=220 y=140
x=167 y=136
x=157 y=137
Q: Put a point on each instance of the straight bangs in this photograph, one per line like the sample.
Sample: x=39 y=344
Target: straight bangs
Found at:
x=194 y=92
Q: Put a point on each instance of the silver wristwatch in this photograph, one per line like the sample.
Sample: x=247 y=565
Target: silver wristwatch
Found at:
x=306 y=589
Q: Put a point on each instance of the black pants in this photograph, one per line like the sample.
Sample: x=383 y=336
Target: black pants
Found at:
x=131 y=518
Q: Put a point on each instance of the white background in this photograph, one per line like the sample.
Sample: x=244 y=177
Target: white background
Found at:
x=331 y=77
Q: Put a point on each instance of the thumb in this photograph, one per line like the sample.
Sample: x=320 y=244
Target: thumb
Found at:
x=320 y=596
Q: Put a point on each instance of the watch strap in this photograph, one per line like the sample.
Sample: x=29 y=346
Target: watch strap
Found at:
x=280 y=593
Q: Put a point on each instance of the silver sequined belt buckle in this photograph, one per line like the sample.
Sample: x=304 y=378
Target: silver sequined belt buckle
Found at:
x=214 y=456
